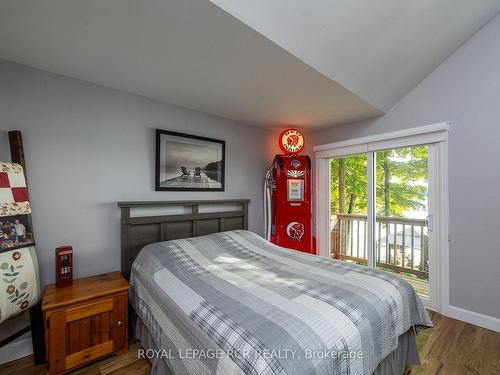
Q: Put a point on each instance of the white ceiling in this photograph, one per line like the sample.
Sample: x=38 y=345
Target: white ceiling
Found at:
x=193 y=53
x=187 y=52
x=378 y=49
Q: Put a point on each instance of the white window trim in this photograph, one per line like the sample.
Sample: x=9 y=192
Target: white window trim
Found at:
x=435 y=133
x=402 y=138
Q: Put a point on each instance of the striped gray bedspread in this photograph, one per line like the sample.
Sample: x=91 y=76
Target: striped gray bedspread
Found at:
x=233 y=303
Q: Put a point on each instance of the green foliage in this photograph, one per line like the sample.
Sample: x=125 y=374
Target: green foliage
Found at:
x=406 y=179
x=355 y=183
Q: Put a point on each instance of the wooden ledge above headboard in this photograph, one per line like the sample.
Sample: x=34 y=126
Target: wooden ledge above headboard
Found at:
x=191 y=219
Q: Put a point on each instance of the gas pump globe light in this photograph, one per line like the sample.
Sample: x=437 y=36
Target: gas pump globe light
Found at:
x=291 y=141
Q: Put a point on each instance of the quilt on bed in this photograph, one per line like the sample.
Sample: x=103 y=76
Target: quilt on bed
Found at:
x=232 y=302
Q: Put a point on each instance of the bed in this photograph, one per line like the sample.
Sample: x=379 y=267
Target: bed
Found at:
x=229 y=302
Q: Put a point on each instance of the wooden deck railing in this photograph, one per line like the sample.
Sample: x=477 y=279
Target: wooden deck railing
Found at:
x=401 y=244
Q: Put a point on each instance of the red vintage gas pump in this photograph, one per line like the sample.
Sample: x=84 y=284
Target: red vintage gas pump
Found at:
x=288 y=195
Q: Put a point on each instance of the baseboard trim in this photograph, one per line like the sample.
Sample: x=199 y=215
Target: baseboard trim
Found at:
x=475 y=318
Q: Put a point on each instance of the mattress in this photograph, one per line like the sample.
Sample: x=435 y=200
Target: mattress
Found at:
x=233 y=303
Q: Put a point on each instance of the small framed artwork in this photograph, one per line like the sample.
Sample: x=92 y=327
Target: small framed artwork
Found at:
x=15 y=232
x=187 y=162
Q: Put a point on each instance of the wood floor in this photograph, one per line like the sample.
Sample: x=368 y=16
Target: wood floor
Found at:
x=125 y=364
x=450 y=348
x=455 y=347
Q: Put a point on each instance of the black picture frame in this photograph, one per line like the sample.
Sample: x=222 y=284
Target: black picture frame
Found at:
x=194 y=175
x=10 y=238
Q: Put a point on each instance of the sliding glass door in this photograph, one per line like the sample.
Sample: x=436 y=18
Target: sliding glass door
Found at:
x=381 y=211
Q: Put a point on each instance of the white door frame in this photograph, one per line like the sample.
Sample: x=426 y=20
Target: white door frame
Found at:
x=431 y=134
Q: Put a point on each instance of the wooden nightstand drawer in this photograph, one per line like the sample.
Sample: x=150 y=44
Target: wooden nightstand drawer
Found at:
x=85 y=328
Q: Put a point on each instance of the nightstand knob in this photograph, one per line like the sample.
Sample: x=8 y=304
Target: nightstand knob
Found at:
x=119 y=323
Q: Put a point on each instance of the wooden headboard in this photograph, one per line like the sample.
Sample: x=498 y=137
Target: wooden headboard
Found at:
x=140 y=225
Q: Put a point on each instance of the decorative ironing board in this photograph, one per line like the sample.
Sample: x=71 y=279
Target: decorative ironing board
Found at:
x=19 y=274
x=19 y=278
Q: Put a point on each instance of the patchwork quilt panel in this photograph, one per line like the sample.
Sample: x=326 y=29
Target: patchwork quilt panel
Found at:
x=233 y=303
x=14 y=197
x=19 y=286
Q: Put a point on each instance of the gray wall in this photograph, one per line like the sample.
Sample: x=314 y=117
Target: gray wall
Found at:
x=465 y=89
x=88 y=147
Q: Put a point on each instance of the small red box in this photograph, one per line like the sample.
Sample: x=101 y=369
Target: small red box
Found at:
x=64 y=266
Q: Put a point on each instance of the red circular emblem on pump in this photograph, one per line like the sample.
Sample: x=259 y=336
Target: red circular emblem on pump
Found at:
x=291 y=141
x=295 y=230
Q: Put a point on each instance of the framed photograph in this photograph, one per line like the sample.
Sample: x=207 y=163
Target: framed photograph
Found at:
x=187 y=162
x=15 y=232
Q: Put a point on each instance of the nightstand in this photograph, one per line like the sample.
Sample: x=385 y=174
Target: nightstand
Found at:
x=85 y=321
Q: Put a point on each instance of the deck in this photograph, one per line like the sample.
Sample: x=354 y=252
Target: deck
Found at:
x=421 y=286
x=401 y=246
x=191 y=182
